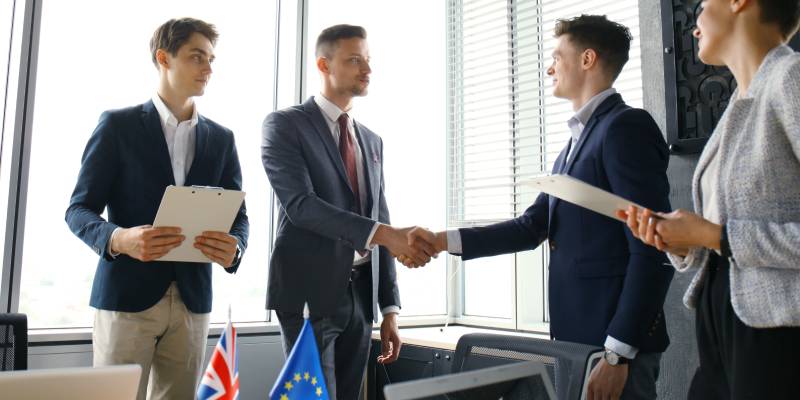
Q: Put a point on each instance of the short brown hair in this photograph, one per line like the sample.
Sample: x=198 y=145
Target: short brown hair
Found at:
x=784 y=13
x=610 y=40
x=172 y=34
x=326 y=42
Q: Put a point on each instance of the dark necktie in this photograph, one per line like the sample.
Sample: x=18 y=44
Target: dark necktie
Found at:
x=348 y=151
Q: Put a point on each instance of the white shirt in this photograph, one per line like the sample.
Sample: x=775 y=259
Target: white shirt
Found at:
x=576 y=125
x=180 y=138
x=708 y=192
x=581 y=117
x=331 y=112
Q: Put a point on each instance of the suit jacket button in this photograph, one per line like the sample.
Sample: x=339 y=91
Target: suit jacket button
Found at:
x=552 y=246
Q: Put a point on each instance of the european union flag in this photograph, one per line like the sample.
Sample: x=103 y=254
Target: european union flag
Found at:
x=301 y=377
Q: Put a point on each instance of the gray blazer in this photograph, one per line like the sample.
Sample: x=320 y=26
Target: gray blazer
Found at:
x=319 y=226
x=757 y=141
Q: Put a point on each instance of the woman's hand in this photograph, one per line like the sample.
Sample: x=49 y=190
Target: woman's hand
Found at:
x=686 y=229
x=674 y=232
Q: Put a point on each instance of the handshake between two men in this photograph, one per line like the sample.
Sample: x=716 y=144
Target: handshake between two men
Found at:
x=413 y=246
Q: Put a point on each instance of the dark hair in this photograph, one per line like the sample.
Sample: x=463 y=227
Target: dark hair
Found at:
x=610 y=40
x=174 y=33
x=326 y=42
x=784 y=13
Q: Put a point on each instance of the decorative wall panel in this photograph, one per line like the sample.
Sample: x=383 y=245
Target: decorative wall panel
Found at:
x=697 y=94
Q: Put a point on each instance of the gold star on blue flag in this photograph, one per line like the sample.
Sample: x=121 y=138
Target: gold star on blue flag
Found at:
x=304 y=362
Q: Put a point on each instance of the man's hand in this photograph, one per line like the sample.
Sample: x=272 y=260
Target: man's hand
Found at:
x=397 y=242
x=146 y=243
x=390 y=339
x=219 y=247
x=606 y=381
x=418 y=237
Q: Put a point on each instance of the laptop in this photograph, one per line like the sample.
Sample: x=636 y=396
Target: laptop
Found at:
x=119 y=382
x=524 y=381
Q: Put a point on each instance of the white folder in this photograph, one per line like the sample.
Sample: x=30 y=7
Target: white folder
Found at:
x=581 y=193
x=196 y=209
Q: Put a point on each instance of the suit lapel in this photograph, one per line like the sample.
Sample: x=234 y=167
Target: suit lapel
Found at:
x=558 y=168
x=732 y=120
x=157 y=142
x=200 y=145
x=370 y=158
x=601 y=110
x=326 y=136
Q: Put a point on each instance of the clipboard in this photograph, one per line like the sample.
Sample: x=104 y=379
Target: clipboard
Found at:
x=196 y=209
x=581 y=194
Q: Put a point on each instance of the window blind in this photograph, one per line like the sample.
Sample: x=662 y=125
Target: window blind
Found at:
x=504 y=125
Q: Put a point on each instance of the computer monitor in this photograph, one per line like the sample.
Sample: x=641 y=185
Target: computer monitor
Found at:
x=518 y=381
x=119 y=382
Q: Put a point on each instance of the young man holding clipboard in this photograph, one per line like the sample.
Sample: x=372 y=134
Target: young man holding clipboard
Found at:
x=156 y=314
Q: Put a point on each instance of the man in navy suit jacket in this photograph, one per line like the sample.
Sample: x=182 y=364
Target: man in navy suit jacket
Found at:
x=327 y=172
x=605 y=287
x=148 y=312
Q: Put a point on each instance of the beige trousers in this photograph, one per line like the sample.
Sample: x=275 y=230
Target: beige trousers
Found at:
x=166 y=338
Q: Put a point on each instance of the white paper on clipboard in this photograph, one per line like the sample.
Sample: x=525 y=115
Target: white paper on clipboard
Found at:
x=581 y=193
x=196 y=209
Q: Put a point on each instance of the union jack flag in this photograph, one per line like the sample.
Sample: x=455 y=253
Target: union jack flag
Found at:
x=221 y=380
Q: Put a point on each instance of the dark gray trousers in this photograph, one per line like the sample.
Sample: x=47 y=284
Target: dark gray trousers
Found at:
x=642 y=376
x=343 y=338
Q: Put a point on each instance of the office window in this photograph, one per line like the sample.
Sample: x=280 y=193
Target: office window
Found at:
x=11 y=17
x=6 y=15
x=94 y=56
x=406 y=107
x=504 y=126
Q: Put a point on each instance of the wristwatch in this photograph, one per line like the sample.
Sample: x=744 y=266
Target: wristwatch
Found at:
x=238 y=256
x=614 y=358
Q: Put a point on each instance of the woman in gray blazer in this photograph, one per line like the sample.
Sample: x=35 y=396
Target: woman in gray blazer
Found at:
x=743 y=240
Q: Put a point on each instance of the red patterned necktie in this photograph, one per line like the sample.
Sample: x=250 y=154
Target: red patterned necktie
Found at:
x=348 y=151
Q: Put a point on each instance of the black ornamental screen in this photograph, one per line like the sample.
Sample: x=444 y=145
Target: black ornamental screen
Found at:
x=696 y=94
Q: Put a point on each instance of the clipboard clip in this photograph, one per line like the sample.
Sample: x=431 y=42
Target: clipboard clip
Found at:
x=207 y=187
x=217 y=188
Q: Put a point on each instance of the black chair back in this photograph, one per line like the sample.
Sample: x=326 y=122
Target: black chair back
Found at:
x=568 y=364
x=13 y=342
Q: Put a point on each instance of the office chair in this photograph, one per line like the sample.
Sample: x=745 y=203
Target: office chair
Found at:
x=567 y=363
x=13 y=342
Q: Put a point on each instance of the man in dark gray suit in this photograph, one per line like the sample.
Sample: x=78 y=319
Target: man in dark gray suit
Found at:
x=327 y=171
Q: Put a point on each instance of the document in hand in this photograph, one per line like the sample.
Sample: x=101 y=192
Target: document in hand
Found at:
x=581 y=193
x=196 y=209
